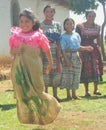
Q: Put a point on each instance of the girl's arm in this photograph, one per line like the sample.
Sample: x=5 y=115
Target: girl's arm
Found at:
x=68 y=64
x=82 y=48
x=85 y=48
x=99 y=47
x=50 y=61
x=59 y=49
x=99 y=43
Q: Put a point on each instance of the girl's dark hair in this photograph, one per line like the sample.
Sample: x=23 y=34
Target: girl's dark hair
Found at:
x=30 y=15
x=89 y=11
x=68 y=19
x=48 y=6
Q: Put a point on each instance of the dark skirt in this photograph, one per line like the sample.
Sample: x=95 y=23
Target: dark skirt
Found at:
x=92 y=66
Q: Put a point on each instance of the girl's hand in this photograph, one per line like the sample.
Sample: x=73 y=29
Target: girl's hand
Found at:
x=89 y=48
x=59 y=54
x=68 y=64
x=17 y=51
x=48 y=69
x=50 y=61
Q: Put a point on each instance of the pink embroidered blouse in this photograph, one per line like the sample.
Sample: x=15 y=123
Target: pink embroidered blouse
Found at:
x=35 y=39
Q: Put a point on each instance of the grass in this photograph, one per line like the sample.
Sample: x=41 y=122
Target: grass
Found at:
x=84 y=114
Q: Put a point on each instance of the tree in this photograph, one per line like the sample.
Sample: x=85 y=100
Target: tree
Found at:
x=80 y=6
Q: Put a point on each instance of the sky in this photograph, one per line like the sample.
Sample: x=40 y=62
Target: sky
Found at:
x=81 y=18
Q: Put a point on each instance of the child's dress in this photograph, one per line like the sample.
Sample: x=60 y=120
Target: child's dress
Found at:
x=92 y=66
x=53 y=32
x=33 y=104
x=71 y=75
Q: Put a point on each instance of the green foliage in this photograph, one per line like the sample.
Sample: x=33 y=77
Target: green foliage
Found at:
x=80 y=6
x=102 y=1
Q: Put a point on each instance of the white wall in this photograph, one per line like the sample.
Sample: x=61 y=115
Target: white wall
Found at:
x=36 y=5
x=4 y=26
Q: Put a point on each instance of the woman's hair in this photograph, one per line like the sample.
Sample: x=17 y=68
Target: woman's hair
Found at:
x=89 y=11
x=68 y=19
x=48 y=6
x=30 y=15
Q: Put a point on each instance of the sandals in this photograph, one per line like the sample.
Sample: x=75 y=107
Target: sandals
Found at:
x=87 y=95
x=97 y=93
x=69 y=98
x=76 y=98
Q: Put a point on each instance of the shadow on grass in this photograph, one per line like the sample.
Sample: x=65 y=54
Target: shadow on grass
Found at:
x=64 y=100
x=7 y=107
x=88 y=98
x=94 y=97
x=38 y=129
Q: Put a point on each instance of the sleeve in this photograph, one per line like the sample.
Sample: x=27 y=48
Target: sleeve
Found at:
x=44 y=43
x=62 y=43
x=59 y=31
x=79 y=38
x=76 y=44
x=59 y=28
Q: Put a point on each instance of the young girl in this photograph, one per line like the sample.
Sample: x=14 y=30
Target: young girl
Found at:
x=70 y=45
x=33 y=104
x=92 y=64
x=52 y=29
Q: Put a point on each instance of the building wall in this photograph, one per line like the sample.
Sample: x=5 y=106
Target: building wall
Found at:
x=4 y=25
x=9 y=11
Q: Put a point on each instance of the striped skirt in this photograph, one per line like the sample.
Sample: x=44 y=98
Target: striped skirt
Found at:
x=71 y=76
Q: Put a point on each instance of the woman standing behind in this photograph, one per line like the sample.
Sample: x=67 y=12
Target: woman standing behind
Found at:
x=52 y=30
x=70 y=45
x=34 y=106
x=92 y=67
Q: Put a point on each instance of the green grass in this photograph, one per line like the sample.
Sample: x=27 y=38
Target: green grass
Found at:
x=84 y=114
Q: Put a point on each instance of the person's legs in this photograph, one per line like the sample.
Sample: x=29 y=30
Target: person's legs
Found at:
x=74 y=96
x=68 y=94
x=87 y=94
x=95 y=87
x=96 y=91
x=46 y=89
x=55 y=93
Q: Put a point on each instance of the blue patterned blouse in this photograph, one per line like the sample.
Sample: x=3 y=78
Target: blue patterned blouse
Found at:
x=70 y=41
x=52 y=31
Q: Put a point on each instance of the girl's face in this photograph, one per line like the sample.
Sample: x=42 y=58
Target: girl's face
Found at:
x=26 y=24
x=49 y=14
x=90 y=17
x=69 y=26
